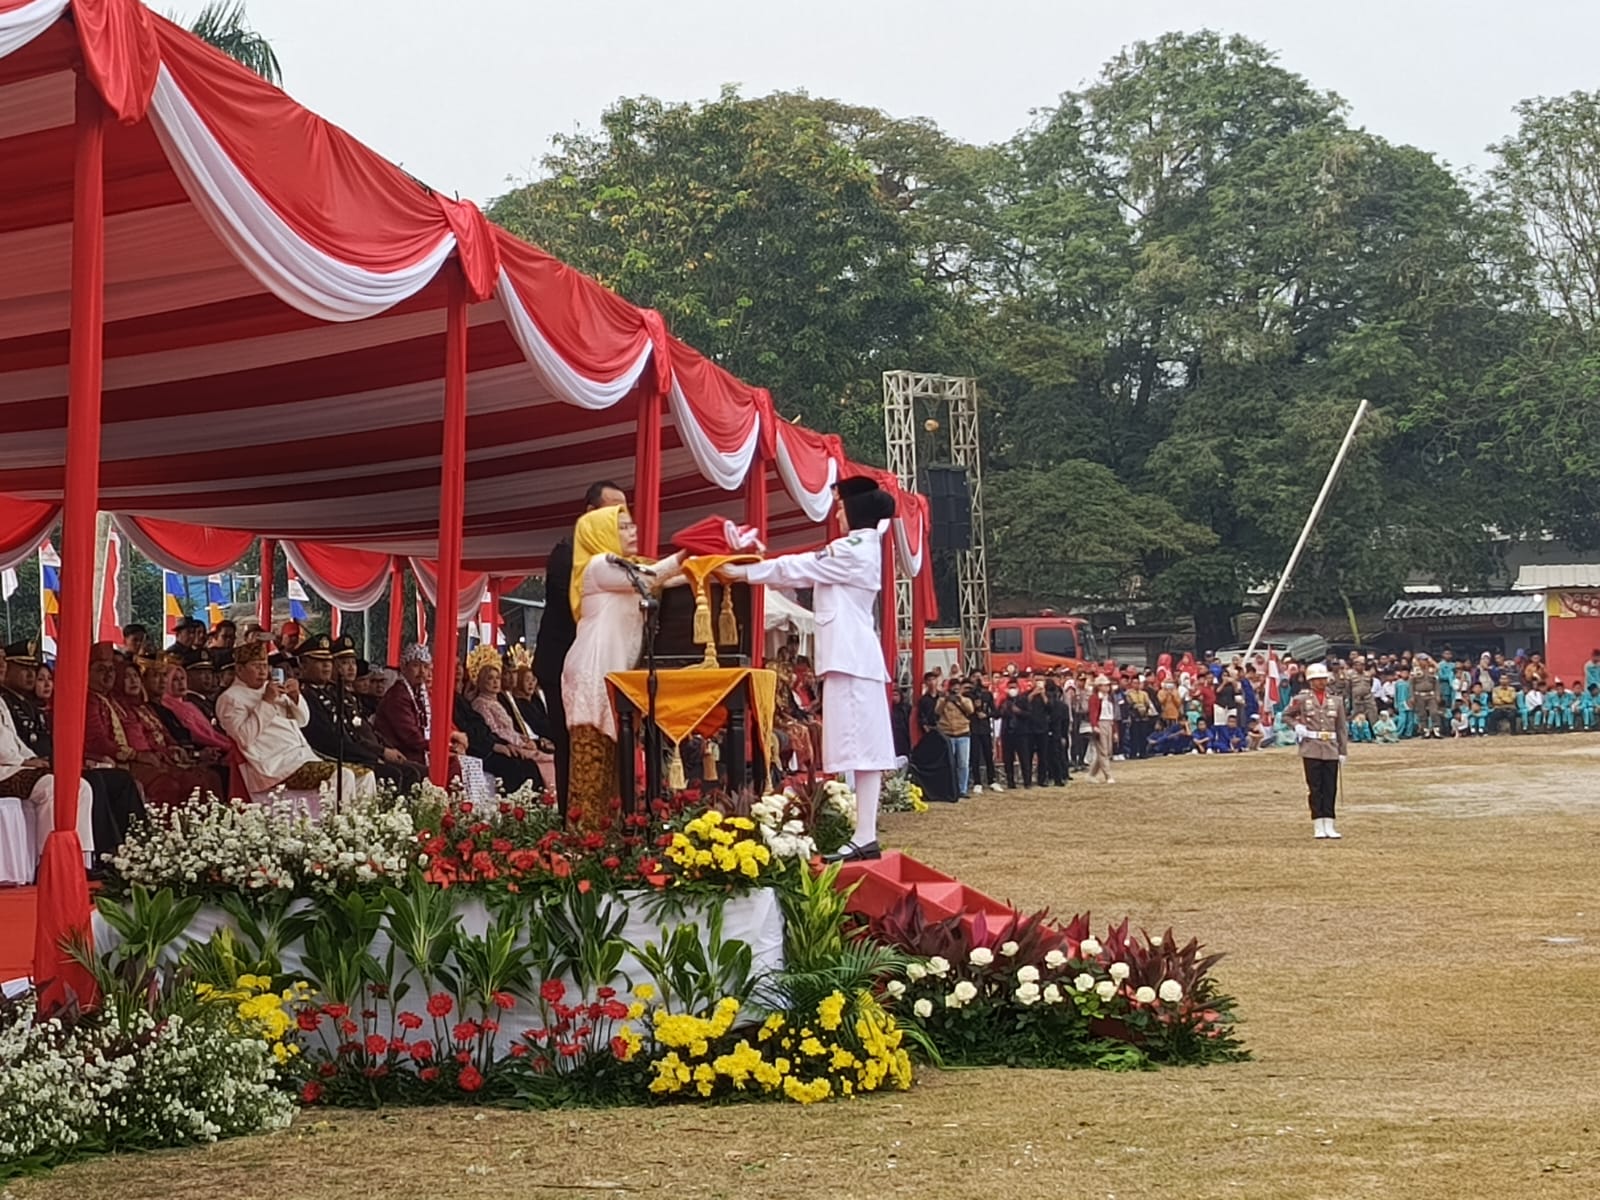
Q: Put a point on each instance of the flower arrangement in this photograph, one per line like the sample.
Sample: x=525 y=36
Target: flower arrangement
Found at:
x=837 y=1048
x=716 y=849
x=1033 y=993
x=901 y=793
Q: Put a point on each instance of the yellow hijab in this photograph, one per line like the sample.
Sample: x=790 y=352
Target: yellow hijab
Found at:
x=596 y=536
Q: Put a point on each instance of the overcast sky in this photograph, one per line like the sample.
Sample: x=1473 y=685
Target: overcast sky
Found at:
x=466 y=93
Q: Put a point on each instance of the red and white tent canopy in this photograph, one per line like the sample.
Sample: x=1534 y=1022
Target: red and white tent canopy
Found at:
x=275 y=316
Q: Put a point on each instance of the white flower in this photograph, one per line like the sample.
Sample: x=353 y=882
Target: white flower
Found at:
x=1119 y=971
x=923 y=1008
x=1009 y=949
x=1171 y=991
x=1089 y=947
x=916 y=971
x=952 y=1001
x=938 y=967
x=1052 y=994
x=1027 y=974
x=1105 y=989
x=1155 y=942
x=981 y=956
x=895 y=988
x=966 y=991
x=1027 y=994
x=1055 y=960
x=1145 y=995
x=1084 y=982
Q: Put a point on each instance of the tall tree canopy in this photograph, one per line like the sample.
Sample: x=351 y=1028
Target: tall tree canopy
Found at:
x=1174 y=286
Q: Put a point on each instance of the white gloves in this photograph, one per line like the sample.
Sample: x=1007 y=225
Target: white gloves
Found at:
x=1342 y=757
x=1300 y=732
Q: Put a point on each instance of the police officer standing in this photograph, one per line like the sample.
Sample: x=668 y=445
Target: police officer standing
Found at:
x=1323 y=732
x=1425 y=696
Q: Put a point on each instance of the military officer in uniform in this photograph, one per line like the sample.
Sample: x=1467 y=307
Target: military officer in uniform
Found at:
x=1361 y=699
x=116 y=795
x=847 y=575
x=339 y=728
x=1425 y=696
x=1323 y=732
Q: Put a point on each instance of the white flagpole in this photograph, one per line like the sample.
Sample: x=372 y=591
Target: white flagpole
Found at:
x=1305 y=532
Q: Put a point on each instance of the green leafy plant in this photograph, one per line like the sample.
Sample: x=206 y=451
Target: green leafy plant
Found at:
x=693 y=975
x=585 y=936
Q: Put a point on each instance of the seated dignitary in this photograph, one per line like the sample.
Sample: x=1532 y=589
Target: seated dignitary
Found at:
x=338 y=728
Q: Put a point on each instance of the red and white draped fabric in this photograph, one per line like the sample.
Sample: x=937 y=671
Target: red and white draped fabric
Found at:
x=185 y=549
x=718 y=417
x=352 y=580
x=24 y=526
x=468 y=601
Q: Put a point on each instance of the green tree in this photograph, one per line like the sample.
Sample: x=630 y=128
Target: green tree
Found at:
x=761 y=235
x=223 y=24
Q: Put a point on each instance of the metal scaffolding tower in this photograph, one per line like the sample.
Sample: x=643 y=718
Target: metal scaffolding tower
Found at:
x=954 y=398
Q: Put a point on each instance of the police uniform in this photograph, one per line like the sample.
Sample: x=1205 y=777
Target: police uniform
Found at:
x=339 y=729
x=1425 y=700
x=1323 y=732
x=1361 y=700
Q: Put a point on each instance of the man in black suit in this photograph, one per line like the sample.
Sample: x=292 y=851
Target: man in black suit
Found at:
x=557 y=629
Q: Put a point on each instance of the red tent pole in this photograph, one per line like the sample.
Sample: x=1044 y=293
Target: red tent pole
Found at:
x=63 y=901
x=452 y=514
x=919 y=627
x=647 y=474
x=755 y=515
x=397 y=611
x=269 y=551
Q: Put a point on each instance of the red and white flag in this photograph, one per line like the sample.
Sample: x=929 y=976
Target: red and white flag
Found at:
x=1274 y=678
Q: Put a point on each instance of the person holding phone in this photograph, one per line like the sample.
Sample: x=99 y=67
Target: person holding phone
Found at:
x=265 y=715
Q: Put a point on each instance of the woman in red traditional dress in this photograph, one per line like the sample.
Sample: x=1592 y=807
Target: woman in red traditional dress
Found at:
x=124 y=728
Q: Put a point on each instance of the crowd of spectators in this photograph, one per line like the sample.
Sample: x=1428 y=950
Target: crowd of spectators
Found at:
x=1027 y=729
x=249 y=715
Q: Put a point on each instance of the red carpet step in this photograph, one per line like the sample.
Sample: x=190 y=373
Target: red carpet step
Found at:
x=887 y=881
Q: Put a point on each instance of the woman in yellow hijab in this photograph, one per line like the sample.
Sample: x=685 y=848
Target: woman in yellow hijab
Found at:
x=610 y=633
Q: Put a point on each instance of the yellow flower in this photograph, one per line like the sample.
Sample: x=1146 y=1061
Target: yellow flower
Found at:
x=812 y=1047
x=830 y=1012
x=645 y=992
x=635 y=1011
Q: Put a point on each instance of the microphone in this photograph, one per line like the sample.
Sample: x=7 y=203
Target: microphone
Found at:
x=627 y=564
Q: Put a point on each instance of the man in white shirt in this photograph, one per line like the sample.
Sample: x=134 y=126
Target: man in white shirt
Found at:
x=264 y=716
x=28 y=806
x=846 y=576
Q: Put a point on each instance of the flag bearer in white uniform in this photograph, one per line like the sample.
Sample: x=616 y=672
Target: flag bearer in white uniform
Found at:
x=847 y=575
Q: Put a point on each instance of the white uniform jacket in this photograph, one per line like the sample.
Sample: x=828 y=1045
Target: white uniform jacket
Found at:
x=268 y=735
x=846 y=576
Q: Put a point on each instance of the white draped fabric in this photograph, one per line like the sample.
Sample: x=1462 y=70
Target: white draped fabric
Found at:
x=815 y=504
x=726 y=470
x=19 y=26
x=552 y=369
x=345 y=599
x=467 y=603
x=285 y=263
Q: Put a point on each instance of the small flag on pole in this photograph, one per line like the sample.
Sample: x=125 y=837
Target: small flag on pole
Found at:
x=9 y=582
x=297 y=597
x=422 y=620
x=110 y=580
x=176 y=594
x=216 y=600
x=49 y=598
x=335 y=620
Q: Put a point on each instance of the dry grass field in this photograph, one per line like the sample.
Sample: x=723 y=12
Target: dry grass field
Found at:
x=1421 y=1000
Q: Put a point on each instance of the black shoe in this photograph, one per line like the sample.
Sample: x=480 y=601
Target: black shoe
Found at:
x=850 y=852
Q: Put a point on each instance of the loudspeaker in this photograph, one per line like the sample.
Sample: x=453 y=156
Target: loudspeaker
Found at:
x=950 y=505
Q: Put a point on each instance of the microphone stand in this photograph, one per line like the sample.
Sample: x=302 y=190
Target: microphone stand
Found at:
x=650 y=605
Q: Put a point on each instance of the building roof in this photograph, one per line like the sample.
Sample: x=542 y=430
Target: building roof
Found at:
x=1421 y=608
x=1539 y=577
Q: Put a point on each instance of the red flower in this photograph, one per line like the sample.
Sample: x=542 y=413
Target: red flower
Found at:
x=500 y=846
x=398 y=1045
x=465 y=847
x=571 y=1049
x=505 y=808
x=336 y=1010
x=605 y=993
x=593 y=841
x=560 y=867
x=483 y=863
x=615 y=1010
x=409 y=1020
x=611 y=862
x=421 y=1052
x=552 y=990
x=504 y=1000
x=520 y=813
x=377 y=1045
x=308 y=1020
x=439 y=1005
x=584 y=885
x=369 y=1014
x=465 y=806
x=328 y=1070
x=470 y=1079
x=348 y=1027
x=428 y=1074
x=489 y=1026
x=311 y=1092
x=619 y=1048
x=447 y=822
x=465 y=1031
x=518 y=1049
x=463 y=1057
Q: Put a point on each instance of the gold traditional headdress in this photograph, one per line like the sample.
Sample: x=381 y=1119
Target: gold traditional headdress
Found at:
x=481 y=657
x=518 y=658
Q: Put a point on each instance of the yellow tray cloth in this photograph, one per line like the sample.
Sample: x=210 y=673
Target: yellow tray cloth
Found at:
x=700 y=569
x=693 y=700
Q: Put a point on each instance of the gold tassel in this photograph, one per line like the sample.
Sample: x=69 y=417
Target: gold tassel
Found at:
x=708 y=763
x=675 y=778
x=728 y=621
x=710 y=660
x=702 y=616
